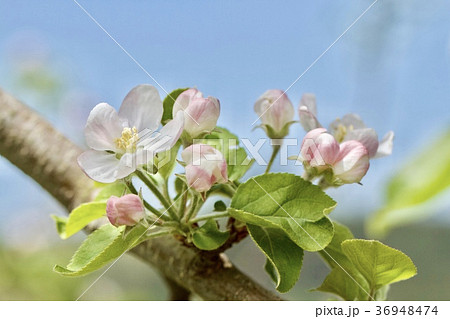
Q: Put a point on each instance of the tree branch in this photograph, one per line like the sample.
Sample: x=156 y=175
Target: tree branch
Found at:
x=34 y=146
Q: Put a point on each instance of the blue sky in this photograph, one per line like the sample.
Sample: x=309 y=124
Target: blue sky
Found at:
x=392 y=67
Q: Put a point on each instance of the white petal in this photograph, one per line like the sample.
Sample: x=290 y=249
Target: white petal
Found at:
x=102 y=128
x=142 y=107
x=99 y=165
x=166 y=138
x=309 y=100
x=386 y=145
x=307 y=119
x=352 y=121
x=367 y=136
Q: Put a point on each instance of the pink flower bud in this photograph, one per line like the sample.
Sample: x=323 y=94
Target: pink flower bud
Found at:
x=205 y=166
x=200 y=114
x=319 y=148
x=275 y=111
x=352 y=163
x=126 y=210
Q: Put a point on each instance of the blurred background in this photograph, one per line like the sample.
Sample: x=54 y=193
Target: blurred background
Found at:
x=392 y=68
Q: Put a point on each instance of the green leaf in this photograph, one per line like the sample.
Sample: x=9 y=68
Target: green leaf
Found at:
x=167 y=161
x=333 y=253
x=220 y=206
x=60 y=224
x=228 y=144
x=340 y=283
x=208 y=236
x=413 y=190
x=81 y=216
x=101 y=247
x=168 y=103
x=115 y=189
x=284 y=257
x=379 y=264
x=287 y=202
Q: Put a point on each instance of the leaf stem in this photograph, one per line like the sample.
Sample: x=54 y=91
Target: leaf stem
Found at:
x=275 y=150
x=208 y=216
x=193 y=209
x=182 y=207
x=149 y=183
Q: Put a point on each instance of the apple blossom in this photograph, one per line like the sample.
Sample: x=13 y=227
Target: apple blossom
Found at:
x=126 y=210
x=347 y=162
x=308 y=112
x=200 y=114
x=276 y=113
x=205 y=166
x=120 y=142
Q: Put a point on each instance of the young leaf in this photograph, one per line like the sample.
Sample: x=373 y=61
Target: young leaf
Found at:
x=333 y=253
x=81 y=216
x=289 y=203
x=379 y=264
x=284 y=257
x=208 y=236
x=412 y=191
x=101 y=247
x=60 y=225
x=115 y=189
x=220 y=206
x=168 y=103
x=167 y=161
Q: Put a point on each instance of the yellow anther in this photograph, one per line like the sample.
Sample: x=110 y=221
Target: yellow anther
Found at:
x=127 y=142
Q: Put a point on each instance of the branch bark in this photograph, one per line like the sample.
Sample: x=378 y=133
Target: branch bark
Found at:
x=34 y=146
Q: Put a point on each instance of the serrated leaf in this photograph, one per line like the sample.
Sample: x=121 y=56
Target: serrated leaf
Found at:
x=236 y=156
x=208 y=236
x=101 y=247
x=81 y=216
x=284 y=257
x=287 y=202
x=333 y=253
x=379 y=264
x=60 y=224
x=412 y=191
x=168 y=103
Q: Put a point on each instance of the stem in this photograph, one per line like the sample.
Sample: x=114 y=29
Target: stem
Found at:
x=147 y=205
x=216 y=215
x=193 y=209
x=158 y=233
x=275 y=150
x=182 y=207
x=147 y=181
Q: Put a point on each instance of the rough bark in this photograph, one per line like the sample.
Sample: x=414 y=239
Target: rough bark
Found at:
x=34 y=146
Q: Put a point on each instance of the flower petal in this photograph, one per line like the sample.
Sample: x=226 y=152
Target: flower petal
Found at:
x=142 y=108
x=307 y=119
x=99 y=165
x=166 y=138
x=385 y=146
x=367 y=136
x=183 y=100
x=102 y=128
x=352 y=163
x=309 y=100
x=350 y=121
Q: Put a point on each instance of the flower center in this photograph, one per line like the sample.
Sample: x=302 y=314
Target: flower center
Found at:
x=341 y=131
x=127 y=142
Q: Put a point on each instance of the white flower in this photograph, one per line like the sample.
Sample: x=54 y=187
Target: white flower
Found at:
x=121 y=142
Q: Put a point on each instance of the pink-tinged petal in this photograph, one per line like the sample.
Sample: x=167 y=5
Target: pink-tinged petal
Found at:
x=328 y=147
x=183 y=100
x=274 y=109
x=201 y=115
x=142 y=108
x=386 y=145
x=127 y=210
x=102 y=128
x=307 y=119
x=99 y=165
x=352 y=163
x=350 y=121
x=166 y=138
x=319 y=148
x=309 y=100
x=198 y=178
x=367 y=136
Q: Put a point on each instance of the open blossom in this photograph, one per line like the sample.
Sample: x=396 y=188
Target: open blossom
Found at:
x=121 y=142
x=205 y=166
x=349 y=128
x=200 y=114
x=348 y=161
x=276 y=113
x=126 y=210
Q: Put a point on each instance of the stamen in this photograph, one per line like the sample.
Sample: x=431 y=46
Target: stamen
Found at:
x=127 y=142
